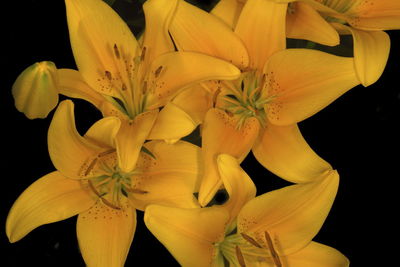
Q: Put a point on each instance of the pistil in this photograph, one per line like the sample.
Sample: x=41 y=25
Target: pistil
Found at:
x=246 y=98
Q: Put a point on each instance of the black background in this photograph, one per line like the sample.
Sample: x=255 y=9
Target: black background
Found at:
x=358 y=134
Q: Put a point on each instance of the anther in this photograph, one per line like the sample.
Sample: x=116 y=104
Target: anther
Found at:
x=142 y=56
x=108 y=75
x=144 y=89
x=91 y=186
x=217 y=92
x=230 y=114
x=105 y=201
x=108 y=203
x=251 y=240
x=116 y=51
x=136 y=191
x=91 y=166
x=275 y=256
x=240 y=257
x=158 y=71
x=123 y=87
x=102 y=154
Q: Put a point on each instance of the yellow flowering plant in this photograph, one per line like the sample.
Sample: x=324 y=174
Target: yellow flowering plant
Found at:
x=259 y=111
x=176 y=118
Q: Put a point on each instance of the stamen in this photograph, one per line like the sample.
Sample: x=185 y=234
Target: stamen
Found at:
x=91 y=166
x=275 y=256
x=91 y=186
x=251 y=240
x=158 y=71
x=123 y=87
x=102 y=154
x=136 y=191
x=116 y=51
x=142 y=56
x=214 y=100
x=108 y=203
x=105 y=201
x=108 y=75
x=144 y=89
x=240 y=257
x=230 y=114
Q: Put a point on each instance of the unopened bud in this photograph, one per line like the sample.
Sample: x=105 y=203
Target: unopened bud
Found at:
x=35 y=91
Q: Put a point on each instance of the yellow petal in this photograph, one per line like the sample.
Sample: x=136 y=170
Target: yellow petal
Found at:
x=35 y=91
x=316 y=79
x=188 y=234
x=105 y=234
x=68 y=150
x=172 y=72
x=316 y=255
x=170 y=177
x=221 y=136
x=283 y=151
x=321 y=7
x=375 y=15
x=172 y=123
x=228 y=11
x=304 y=22
x=237 y=183
x=261 y=26
x=195 y=101
x=71 y=84
x=158 y=15
x=96 y=32
x=104 y=131
x=198 y=31
x=131 y=137
x=293 y=215
x=371 y=52
x=50 y=199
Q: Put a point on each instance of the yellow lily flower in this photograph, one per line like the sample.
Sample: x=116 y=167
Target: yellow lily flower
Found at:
x=364 y=20
x=89 y=183
x=137 y=78
x=125 y=78
x=273 y=229
x=278 y=87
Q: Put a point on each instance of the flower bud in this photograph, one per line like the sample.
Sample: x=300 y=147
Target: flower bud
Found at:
x=35 y=91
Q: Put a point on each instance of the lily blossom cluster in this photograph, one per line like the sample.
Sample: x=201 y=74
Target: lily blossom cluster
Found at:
x=226 y=76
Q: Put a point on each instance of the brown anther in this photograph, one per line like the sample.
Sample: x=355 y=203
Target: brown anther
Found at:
x=142 y=56
x=116 y=52
x=251 y=240
x=158 y=71
x=136 y=191
x=108 y=203
x=144 y=89
x=216 y=93
x=274 y=255
x=105 y=153
x=123 y=87
x=240 y=257
x=230 y=114
x=105 y=201
x=108 y=75
x=91 y=186
x=91 y=166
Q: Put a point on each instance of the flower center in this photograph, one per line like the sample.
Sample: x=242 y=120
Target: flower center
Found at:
x=246 y=98
x=108 y=182
x=242 y=248
x=127 y=84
